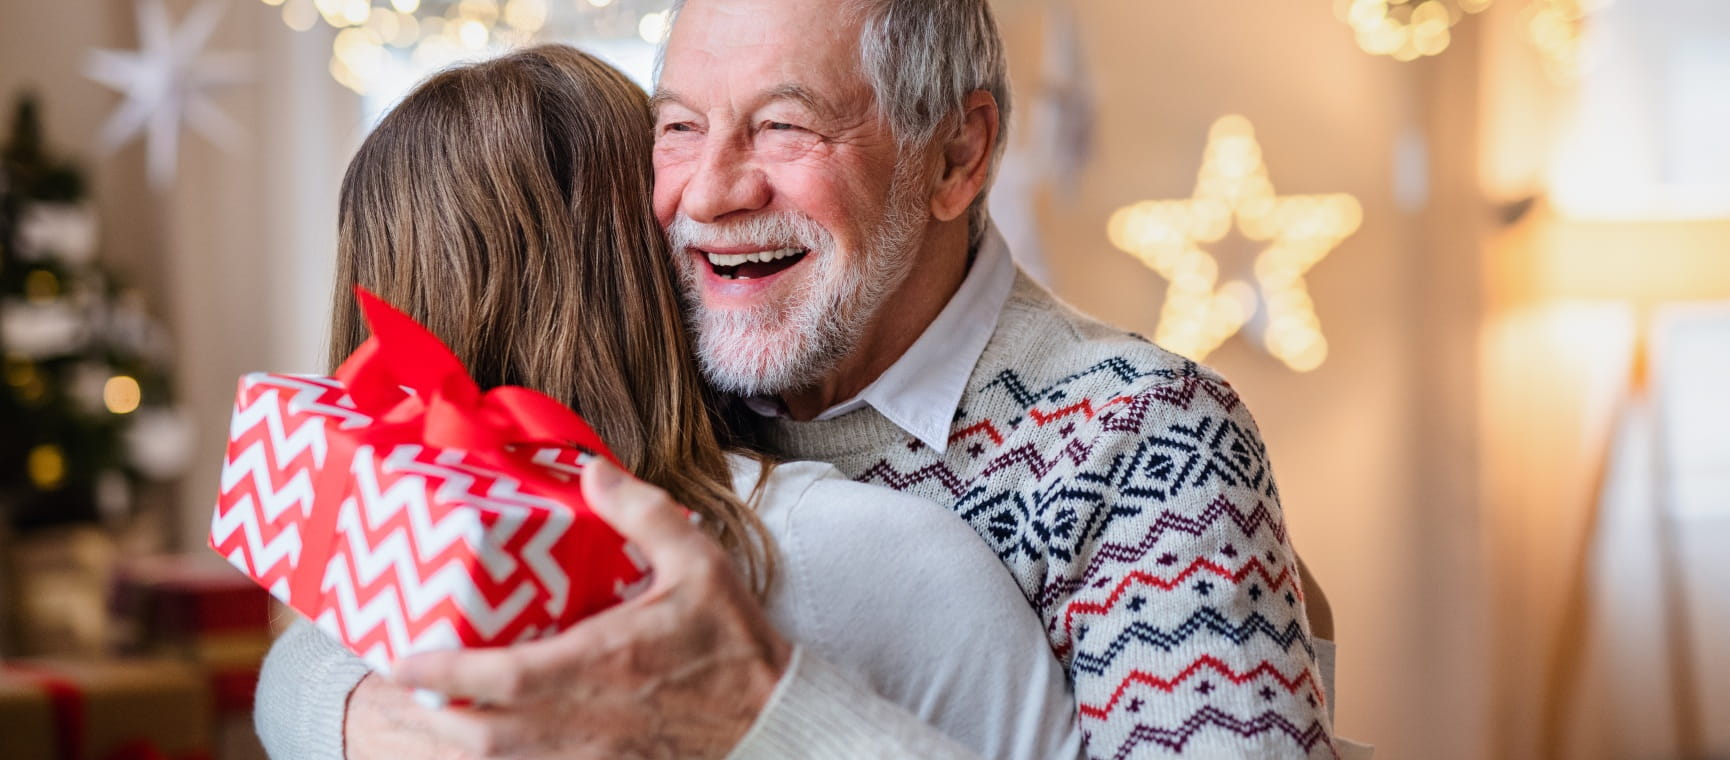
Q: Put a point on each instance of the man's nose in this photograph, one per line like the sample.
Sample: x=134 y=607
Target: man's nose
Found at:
x=726 y=182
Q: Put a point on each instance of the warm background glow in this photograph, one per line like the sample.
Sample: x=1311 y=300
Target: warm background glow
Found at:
x=1430 y=242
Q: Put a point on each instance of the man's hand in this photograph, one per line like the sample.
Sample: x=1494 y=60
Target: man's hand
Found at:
x=383 y=722
x=681 y=671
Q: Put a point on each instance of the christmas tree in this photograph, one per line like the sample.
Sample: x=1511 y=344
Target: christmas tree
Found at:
x=84 y=391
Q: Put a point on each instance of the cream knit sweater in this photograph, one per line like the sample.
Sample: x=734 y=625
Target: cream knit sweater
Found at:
x=1130 y=495
x=912 y=640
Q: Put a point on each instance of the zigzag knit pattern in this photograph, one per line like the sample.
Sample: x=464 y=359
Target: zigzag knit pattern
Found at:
x=1129 y=493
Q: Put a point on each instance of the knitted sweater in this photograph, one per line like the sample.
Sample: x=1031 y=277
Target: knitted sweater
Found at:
x=938 y=662
x=1130 y=495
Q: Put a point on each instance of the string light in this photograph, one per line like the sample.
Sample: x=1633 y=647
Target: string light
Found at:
x=472 y=34
x=653 y=27
x=356 y=12
x=1410 y=29
x=21 y=374
x=41 y=286
x=122 y=395
x=1405 y=30
x=1233 y=188
x=1556 y=28
x=299 y=15
x=47 y=467
x=433 y=33
x=526 y=15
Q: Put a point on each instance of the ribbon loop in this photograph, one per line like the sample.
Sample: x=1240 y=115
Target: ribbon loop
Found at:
x=415 y=387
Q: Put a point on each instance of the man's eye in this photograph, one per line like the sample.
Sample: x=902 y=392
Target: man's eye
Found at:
x=781 y=125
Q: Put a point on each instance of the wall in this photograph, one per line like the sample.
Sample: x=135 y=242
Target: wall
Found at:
x=1374 y=451
x=1598 y=641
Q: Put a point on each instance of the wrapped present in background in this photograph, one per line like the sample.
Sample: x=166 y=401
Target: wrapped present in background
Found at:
x=173 y=599
x=55 y=599
x=197 y=608
x=402 y=509
x=103 y=710
x=179 y=619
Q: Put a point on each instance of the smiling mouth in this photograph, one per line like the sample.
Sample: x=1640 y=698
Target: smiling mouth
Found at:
x=756 y=265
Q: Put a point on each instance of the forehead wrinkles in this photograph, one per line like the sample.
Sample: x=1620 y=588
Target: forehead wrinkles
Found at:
x=748 y=22
x=738 y=49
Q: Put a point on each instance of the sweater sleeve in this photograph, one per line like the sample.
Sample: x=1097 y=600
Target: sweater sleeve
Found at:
x=303 y=693
x=818 y=712
x=1171 y=589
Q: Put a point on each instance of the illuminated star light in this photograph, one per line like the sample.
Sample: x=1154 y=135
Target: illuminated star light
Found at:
x=167 y=83
x=1233 y=186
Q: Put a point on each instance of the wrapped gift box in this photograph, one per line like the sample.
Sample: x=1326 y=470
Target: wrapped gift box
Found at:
x=197 y=608
x=179 y=598
x=56 y=591
x=403 y=510
x=103 y=710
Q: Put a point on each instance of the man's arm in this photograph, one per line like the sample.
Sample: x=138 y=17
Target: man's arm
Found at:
x=1176 y=600
x=691 y=668
x=315 y=699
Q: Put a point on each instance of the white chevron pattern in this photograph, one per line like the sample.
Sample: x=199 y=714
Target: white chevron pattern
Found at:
x=419 y=533
x=253 y=464
x=254 y=555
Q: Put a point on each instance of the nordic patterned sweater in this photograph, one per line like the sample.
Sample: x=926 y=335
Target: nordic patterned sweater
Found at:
x=1129 y=494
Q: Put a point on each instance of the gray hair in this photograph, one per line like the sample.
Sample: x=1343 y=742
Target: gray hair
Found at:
x=922 y=59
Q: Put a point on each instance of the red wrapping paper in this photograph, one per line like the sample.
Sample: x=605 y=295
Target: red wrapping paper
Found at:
x=404 y=510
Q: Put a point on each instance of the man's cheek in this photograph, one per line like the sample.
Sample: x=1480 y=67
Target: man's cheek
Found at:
x=671 y=175
x=818 y=190
x=665 y=199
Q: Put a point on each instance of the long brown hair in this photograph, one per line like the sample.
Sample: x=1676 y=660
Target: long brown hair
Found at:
x=506 y=206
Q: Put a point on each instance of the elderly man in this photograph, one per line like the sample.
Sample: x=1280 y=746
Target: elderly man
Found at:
x=821 y=169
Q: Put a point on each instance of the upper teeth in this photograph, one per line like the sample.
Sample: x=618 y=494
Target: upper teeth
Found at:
x=736 y=259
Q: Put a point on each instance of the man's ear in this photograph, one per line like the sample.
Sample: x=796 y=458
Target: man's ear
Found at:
x=966 y=157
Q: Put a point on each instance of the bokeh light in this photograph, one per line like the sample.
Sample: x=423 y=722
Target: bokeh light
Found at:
x=406 y=38
x=46 y=465
x=122 y=395
x=1233 y=188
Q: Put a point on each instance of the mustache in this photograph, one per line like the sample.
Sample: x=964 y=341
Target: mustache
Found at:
x=781 y=229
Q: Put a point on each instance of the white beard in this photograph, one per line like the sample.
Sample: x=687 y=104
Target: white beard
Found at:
x=791 y=342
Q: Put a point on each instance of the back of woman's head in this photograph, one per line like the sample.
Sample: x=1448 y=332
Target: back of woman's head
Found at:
x=506 y=206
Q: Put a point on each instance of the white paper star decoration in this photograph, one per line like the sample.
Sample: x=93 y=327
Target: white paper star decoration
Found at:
x=1233 y=186
x=167 y=83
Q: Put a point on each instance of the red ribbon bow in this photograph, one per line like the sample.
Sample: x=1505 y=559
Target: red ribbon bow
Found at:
x=417 y=391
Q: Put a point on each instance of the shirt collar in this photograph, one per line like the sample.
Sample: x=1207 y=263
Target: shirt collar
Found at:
x=921 y=391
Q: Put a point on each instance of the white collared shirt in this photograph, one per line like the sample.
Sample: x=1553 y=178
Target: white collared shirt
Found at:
x=921 y=390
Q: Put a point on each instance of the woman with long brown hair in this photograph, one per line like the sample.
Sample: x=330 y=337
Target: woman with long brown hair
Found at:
x=506 y=206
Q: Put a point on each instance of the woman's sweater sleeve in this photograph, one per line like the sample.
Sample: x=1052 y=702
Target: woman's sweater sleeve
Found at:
x=303 y=695
x=819 y=712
